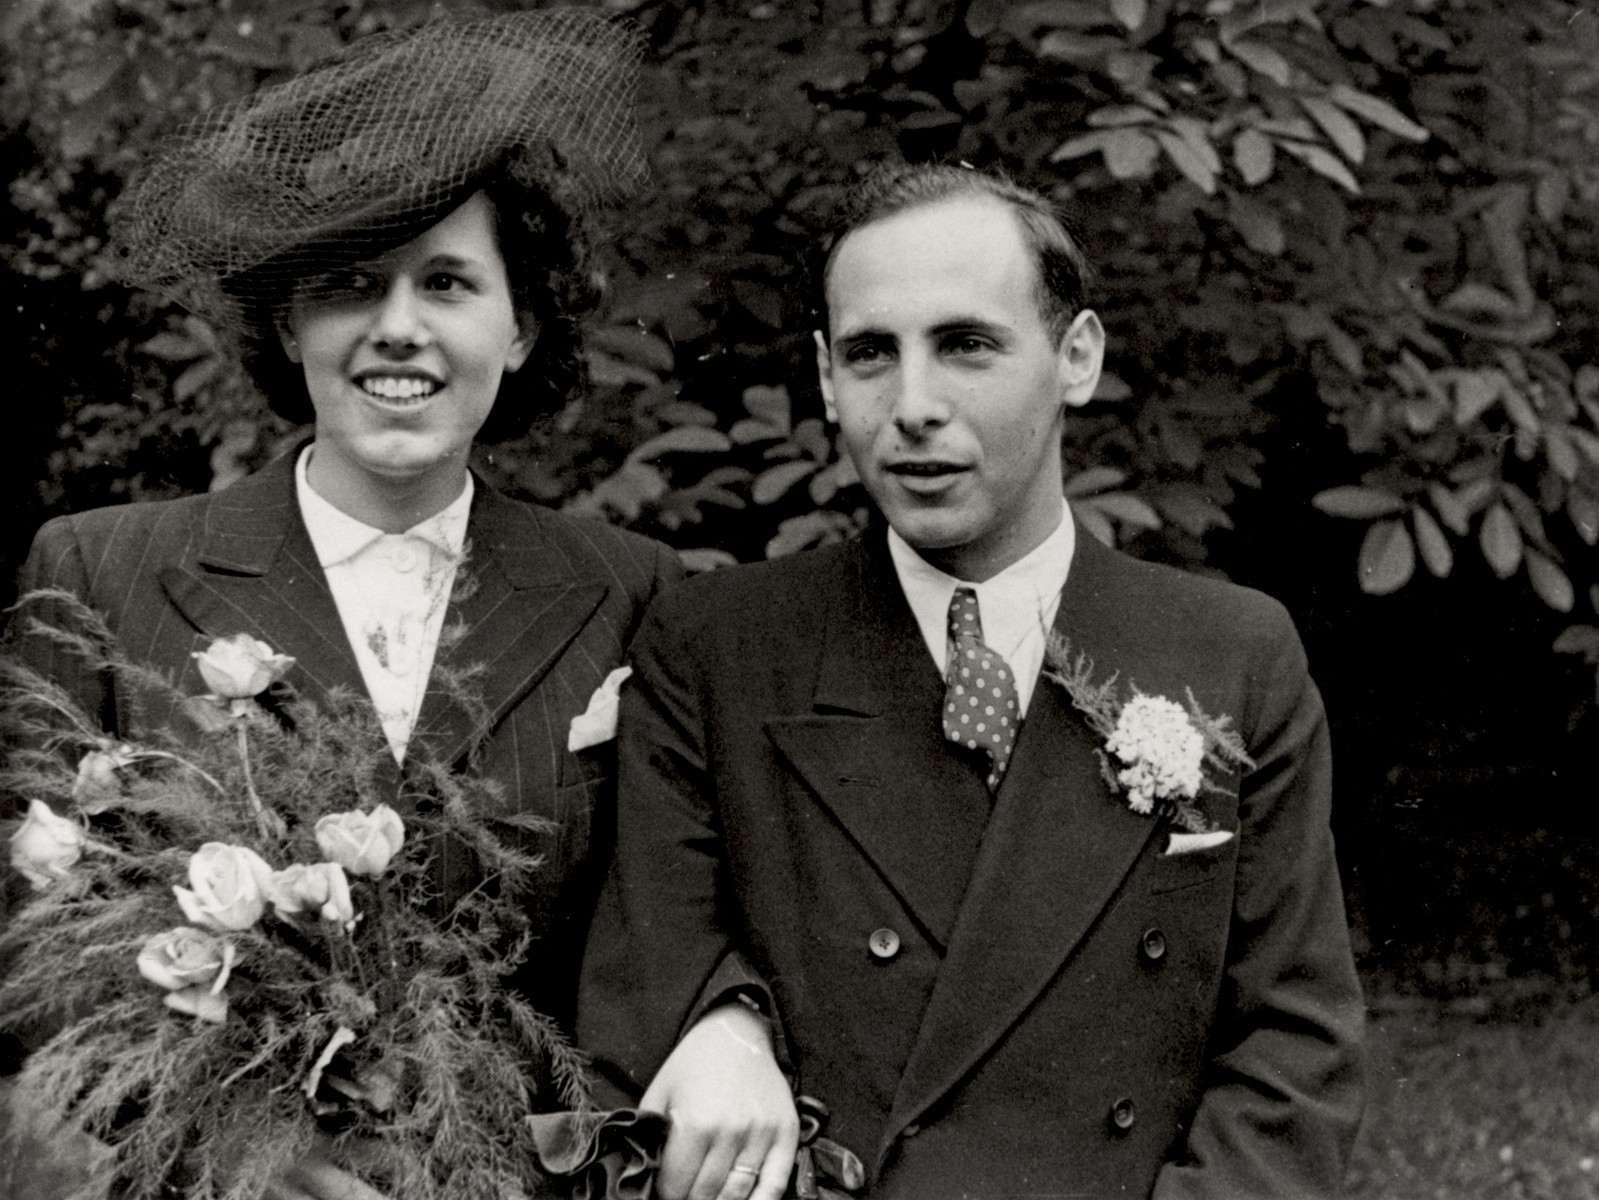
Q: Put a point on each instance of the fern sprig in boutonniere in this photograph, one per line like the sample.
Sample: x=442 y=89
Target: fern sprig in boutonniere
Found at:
x=1158 y=753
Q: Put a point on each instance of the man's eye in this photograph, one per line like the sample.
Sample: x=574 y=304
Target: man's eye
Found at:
x=865 y=353
x=967 y=344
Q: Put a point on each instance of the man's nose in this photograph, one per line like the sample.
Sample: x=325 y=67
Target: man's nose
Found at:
x=919 y=403
x=397 y=324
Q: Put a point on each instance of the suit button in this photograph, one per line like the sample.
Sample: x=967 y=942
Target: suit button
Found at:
x=884 y=943
x=1122 y=1115
x=1153 y=945
x=912 y=1129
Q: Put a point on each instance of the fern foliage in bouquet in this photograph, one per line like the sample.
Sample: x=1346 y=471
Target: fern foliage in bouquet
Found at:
x=238 y=937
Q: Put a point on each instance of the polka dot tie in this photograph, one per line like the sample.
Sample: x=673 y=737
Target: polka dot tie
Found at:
x=980 y=708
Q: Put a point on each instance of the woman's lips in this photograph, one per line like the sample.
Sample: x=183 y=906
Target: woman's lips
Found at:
x=398 y=387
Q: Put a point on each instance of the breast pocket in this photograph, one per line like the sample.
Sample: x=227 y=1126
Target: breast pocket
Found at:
x=1177 y=872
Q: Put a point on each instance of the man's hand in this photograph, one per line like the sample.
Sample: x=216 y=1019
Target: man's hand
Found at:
x=734 y=1129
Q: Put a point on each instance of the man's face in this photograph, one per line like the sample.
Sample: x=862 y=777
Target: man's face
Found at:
x=946 y=384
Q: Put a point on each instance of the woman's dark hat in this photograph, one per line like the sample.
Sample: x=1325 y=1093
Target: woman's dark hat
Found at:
x=366 y=152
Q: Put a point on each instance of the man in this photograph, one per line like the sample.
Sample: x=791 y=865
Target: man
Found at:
x=1000 y=976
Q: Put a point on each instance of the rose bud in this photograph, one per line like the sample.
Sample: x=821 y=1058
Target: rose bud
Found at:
x=186 y=957
x=45 y=845
x=359 y=842
x=239 y=666
x=228 y=887
x=321 y=886
x=97 y=773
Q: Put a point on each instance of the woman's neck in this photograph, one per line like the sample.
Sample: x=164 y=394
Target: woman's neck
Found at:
x=392 y=503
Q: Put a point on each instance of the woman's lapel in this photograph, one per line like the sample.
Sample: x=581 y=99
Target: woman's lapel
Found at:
x=256 y=572
x=516 y=606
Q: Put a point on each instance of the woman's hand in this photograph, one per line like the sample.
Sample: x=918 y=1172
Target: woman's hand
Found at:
x=315 y=1177
x=734 y=1129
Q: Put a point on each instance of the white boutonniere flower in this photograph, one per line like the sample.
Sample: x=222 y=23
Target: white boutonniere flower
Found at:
x=1157 y=752
x=597 y=724
x=1161 y=753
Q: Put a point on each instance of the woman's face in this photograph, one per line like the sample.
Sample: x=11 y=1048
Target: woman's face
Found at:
x=403 y=357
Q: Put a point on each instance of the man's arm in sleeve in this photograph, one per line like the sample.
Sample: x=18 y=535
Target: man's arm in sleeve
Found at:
x=1284 y=1086
x=661 y=962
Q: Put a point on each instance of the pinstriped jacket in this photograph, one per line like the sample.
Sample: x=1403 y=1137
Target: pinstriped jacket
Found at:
x=551 y=608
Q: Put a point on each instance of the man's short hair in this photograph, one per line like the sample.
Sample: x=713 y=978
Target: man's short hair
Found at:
x=893 y=188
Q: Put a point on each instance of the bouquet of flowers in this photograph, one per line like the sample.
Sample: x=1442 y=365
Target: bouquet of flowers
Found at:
x=239 y=943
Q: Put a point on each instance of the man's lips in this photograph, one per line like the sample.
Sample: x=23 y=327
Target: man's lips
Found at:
x=928 y=476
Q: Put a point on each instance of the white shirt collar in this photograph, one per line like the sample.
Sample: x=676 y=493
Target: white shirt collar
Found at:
x=1018 y=606
x=337 y=536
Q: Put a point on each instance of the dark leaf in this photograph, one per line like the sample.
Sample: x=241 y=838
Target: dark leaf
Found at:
x=1255 y=156
x=1094 y=479
x=1387 y=558
x=1430 y=540
x=1336 y=124
x=773 y=484
x=685 y=439
x=1378 y=112
x=1550 y=582
x=1359 y=503
x=1500 y=541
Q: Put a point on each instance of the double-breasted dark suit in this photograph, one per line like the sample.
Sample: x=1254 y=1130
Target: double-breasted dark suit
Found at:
x=1018 y=995
x=550 y=607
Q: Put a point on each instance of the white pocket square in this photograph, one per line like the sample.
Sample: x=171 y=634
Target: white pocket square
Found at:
x=1187 y=843
x=597 y=723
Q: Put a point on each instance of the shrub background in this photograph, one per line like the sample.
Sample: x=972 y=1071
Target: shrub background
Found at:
x=1348 y=260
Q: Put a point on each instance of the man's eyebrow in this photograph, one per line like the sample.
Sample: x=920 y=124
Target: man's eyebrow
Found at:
x=994 y=329
x=863 y=334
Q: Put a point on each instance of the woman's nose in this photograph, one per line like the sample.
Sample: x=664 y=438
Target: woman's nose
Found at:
x=397 y=324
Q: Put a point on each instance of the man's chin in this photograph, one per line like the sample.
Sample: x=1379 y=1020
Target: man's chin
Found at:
x=930 y=532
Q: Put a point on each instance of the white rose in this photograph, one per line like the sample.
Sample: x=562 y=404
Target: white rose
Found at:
x=321 y=886
x=186 y=957
x=239 y=666
x=45 y=846
x=199 y=1002
x=97 y=773
x=359 y=842
x=228 y=885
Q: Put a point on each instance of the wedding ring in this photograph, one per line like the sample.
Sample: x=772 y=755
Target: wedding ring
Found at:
x=742 y=1169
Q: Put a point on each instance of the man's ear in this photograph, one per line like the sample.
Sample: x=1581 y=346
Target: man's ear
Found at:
x=824 y=374
x=286 y=338
x=522 y=344
x=1081 y=358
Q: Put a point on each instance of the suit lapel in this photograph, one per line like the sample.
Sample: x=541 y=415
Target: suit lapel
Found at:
x=256 y=573
x=516 y=606
x=1057 y=848
x=873 y=751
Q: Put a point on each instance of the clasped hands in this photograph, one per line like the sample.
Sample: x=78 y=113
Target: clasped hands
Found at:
x=734 y=1128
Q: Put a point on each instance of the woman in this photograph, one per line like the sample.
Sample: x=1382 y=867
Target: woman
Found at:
x=395 y=238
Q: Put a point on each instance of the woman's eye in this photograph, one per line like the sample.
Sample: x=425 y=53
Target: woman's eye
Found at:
x=345 y=283
x=444 y=281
